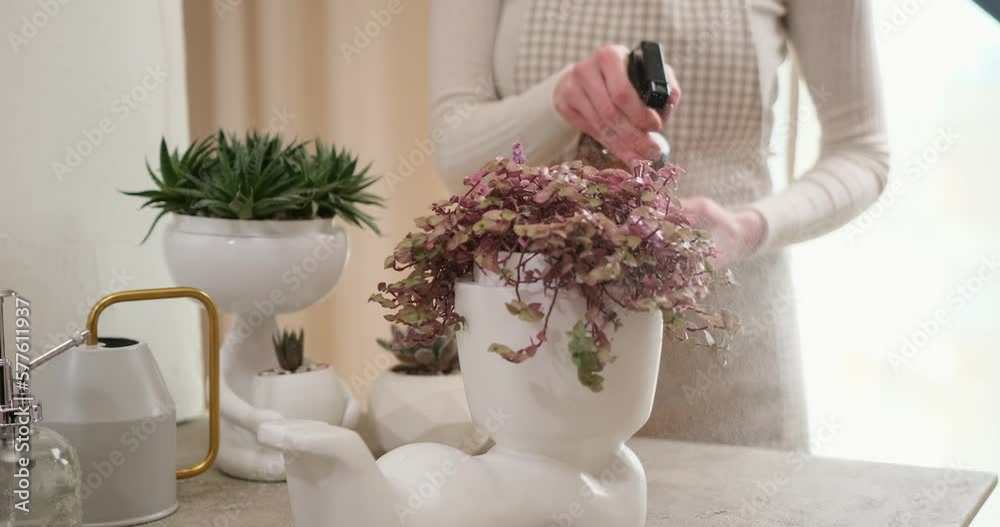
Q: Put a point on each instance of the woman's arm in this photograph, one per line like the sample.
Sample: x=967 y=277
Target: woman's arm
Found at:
x=834 y=41
x=470 y=123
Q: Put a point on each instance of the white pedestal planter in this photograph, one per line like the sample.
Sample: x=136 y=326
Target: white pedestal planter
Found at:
x=560 y=453
x=256 y=269
x=407 y=409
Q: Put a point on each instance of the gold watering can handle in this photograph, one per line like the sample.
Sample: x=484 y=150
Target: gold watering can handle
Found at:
x=213 y=356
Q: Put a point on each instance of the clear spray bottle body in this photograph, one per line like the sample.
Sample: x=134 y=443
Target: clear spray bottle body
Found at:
x=647 y=72
x=41 y=480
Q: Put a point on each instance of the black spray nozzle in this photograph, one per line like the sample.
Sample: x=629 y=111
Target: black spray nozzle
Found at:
x=648 y=72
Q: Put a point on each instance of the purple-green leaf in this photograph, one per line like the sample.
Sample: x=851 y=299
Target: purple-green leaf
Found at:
x=617 y=238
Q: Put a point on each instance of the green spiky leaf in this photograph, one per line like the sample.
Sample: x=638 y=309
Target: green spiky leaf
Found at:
x=260 y=177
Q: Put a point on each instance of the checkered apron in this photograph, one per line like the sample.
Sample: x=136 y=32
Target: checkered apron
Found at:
x=718 y=134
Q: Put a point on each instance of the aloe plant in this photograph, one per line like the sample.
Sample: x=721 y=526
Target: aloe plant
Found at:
x=260 y=177
x=289 y=346
x=439 y=356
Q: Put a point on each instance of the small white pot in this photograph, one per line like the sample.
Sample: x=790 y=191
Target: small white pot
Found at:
x=407 y=409
x=314 y=394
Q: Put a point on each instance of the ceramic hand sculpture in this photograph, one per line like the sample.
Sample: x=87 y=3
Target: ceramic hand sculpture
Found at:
x=258 y=269
x=560 y=456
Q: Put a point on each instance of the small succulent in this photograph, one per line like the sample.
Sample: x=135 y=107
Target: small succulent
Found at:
x=260 y=177
x=289 y=346
x=435 y=356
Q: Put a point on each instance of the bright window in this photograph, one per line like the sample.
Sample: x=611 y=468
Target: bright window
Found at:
x=900 y=312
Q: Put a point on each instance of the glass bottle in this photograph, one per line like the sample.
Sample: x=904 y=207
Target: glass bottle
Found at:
x=42 y=485
x=648 y=74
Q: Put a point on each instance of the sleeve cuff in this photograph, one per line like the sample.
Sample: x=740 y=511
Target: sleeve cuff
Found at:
x=777 y=216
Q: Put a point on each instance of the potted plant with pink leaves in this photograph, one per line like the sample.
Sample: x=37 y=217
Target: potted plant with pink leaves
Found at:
x=561 y=283
x=606 y=242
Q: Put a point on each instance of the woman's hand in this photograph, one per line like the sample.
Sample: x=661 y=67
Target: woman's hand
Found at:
x=736 y=234
x=597 y=97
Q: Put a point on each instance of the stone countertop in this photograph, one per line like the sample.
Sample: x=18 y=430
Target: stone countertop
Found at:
x=690 y=485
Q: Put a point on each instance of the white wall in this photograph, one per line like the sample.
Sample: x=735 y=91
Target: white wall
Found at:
x=67 y=237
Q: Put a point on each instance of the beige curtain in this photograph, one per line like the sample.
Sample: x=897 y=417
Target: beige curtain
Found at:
x=354 y=73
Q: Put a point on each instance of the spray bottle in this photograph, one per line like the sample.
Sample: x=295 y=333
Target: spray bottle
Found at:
x=647 y=72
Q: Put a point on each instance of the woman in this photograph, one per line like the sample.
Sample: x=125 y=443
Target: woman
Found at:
x=541 y=72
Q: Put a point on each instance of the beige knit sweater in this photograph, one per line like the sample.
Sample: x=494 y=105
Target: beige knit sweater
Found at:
x=494 y=65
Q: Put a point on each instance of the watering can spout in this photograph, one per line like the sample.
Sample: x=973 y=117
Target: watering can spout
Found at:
x=77 y=339
x=14 y=382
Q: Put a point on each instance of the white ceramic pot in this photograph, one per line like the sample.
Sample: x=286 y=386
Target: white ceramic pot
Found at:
x=407 y=409
x=548 y=406
x=256 y=269
x=316 y=394
x=560 y=456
